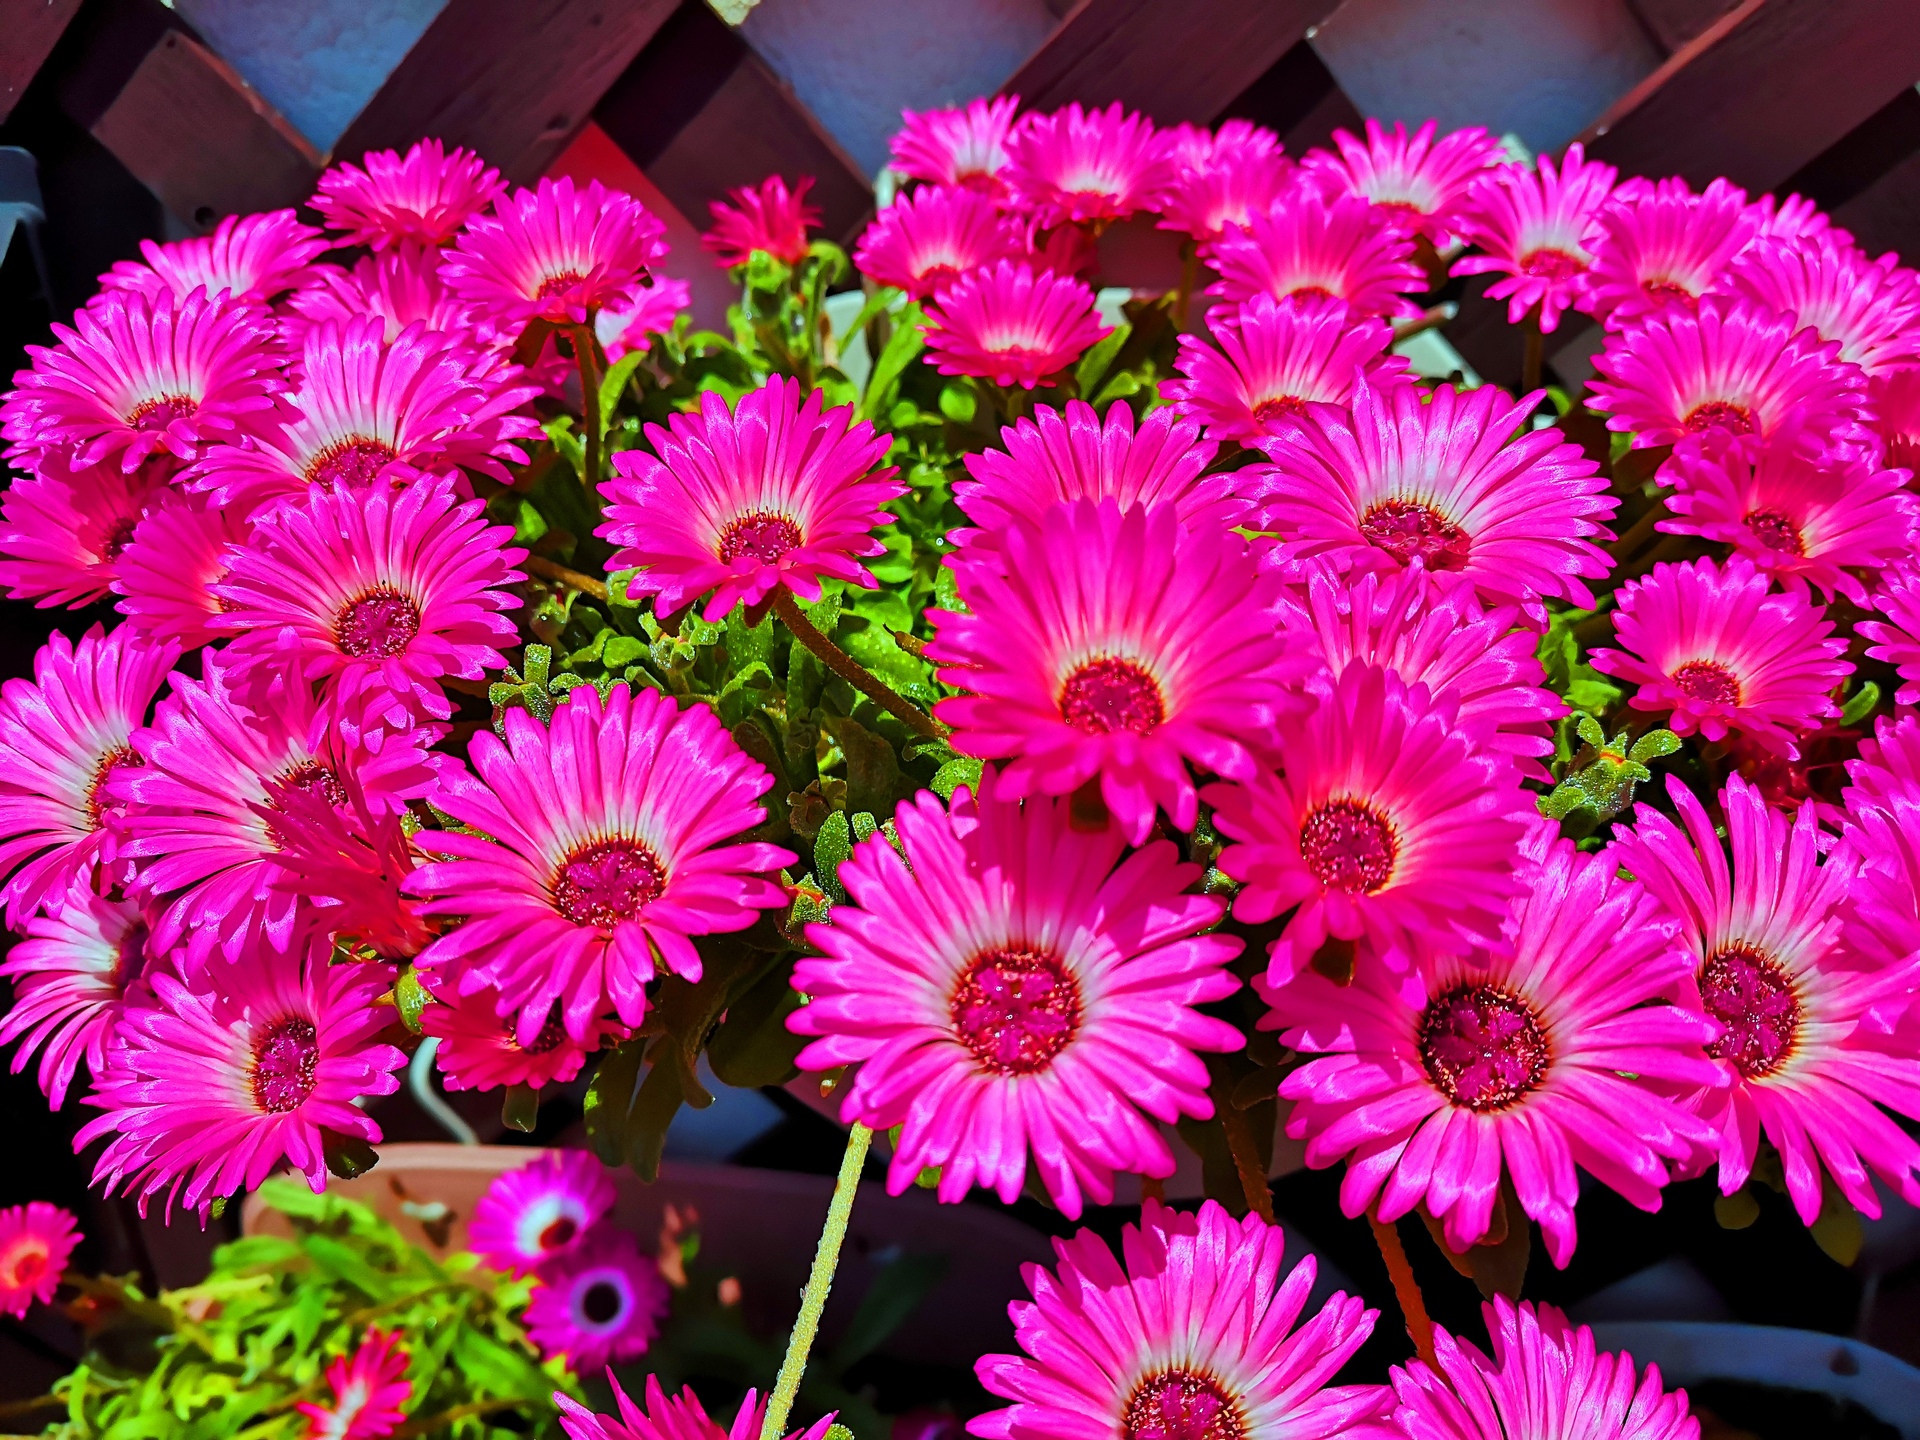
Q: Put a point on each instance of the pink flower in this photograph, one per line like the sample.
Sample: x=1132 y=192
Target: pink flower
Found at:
x=235 y=1066
x=1894 y=413
x=401 y=286
x=1194 y=1337
x=767 y=217
x=63 y=532
x=1661 y=248
x=1228 y=178
x=1888 y=767
x=556 y=253
x=255 y=258
x=422 y=198
x=1710 y=644
x=1388 y=824
x=479 y=1050
x=1435 y=479
x=677 y=1417
x=166 y=573
x=1115 y=647
x=1897 y=638
x=1793 y=218
x=1013 y=984
x=1011 y=324
x=139 y=377
x=379 y=594
x=1870 y=308
x=1537 y=229
x=1422 y=184
x=1545 y=1376
x=779 y=492
x=599 y=1302
x=957 y=147
x=1080 y=165
x=1274 y=360
x=1804 y=1027
x=926 y=239
x=35 y=1241
x=62 y=737
x=540 y=1211
x=606 y=858
x=348 y=854
x=1312 y=246
x=621 y=332
x=1514 y=1057
x=370 y=1393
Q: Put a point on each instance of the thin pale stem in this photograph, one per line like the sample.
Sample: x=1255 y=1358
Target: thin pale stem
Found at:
x=1531 y=358
x=1189 y=274
x=852 y=671
x=560 y=575
x=1406 y=1289
x=813 y=1300
x=586 y=359
x=1246 y=1160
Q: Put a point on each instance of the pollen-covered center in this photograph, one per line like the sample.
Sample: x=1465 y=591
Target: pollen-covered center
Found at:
x=1707 y=681
x=1550 y=264
x=1278 y=407
x=1668 y=292
x=1182 y=1405
x=284 y=1061
x=380 y=623
x=98 y=801
x=1719 y=414
x=1310 y=291
x=1748 y=992
x=161 y=411
x=551 y=1036
x=1015 y=1010
x=1410 y=530
x=607 y=881
x=1482 y=1047
x=1111 y=694
x=552 y=285
x=762 y=535
x=310 y=777
x=24 y=1265
x=350 y=464
x=1776 y=531
x=1349 y=846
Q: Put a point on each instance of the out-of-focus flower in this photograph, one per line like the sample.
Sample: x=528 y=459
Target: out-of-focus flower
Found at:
x=541 y=1210
x=370 y=1393
x=63 y=532
x=1224 y=179
x=247 y=257
x=600 y=1302
x=35 y=1241
x=966 y=146
x=768 y=217
x=928 y=238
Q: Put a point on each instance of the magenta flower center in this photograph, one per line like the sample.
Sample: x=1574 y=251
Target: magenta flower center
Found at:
x=1723 y=414
x=558 y=284
x=97 y=800
x=1349 y=846
x=1108 y=694
x=28 y=1266
x=284 y=1061
x=1311 y=292
x=130 y=958
x=1409 y=530
x=762 y=535
x=1550 y=264
x=1277 y=406
x=1777 y=532
x=161 y=411
x=118 y=538
x=350 y=463
x=558 y=1233
x=606 y=882
x=1482 y=1047
x=310 y=777
x=1751 y=996
x=1708 y=682
x=380 y=623
x=1015 y=1010
x=1668 y=292
x=1180 y=1405
x=603 y=1303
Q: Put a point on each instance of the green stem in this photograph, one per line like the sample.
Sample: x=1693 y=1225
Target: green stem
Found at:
x=585 y=357
x=1406 y=1289
x=1189 y=274
x=1531 y=360
x=851 y=670
x=1245 y=1150
x=813 y=1300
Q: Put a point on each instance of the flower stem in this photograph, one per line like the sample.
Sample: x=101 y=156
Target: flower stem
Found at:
x=559 y=574
x=1530 y=357
x=1189 y=274
x=813 y=1300
x=586 y=358
x=1246 y=1160
x=1406 y=1289
x=851 y=670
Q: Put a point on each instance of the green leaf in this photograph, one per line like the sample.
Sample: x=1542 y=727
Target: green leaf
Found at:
x=753 y=1047
x=1736 y=1211
x=907 y=341
x=873 y=770
x=955 y=773
x=895 y=1294
x=877 y=304
x=1654 y=744
x=958 y=403
x=1094 y=365
x=1860 y=705
x=831 y=848
x=745 y=693
x=614 y=383
x=410 y=997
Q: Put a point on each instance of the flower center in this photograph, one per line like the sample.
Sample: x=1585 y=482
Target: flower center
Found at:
x=1777 y=532
x=762 y=535
x=1277 y=407
x=1708 y=682
x=1108 y=694
x=606 y=882
x=161 y=411
x=381 y=623
x=1349 y=846
x=1482 y=1047
x=1015 y=1010
x=130 y=957
x=1668 y=292
x=1180 y=1405
x=1547 y=263
x=558 y=1233
x=118 y=538
x=350 y=463
x=602 y=1303
x=1746 y=990
x=1312 y=292
x=1409 y=530
x=556 y=284
x=551 y=1036
x=28 y=1265
x=98 y=801
x=284 y=1061
x=1723 y=414
x=310 y=777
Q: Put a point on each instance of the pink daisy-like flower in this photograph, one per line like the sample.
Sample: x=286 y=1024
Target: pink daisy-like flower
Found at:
x=63 y=735
x=226 y=1071
x=370 y=1393
x=1512 y=1057
x=599 y=1302
x=1888 y=767
x=1011 y=324
x=587 y=891
x=166 y=572
x=422 y=198
x=1896 y=639
x=1189 y=1333
x=139 y=377
x=1275 y=358
x=1118 y=647
x=1420 y=182
x=247 y=257
x=1803 y=1023
x=35 y=1241
x=349 y=854
x=540 y=1211
x=1710 y=644
x=1389 y=823
x=479 y=1050
x=401 y=286
x=1086 y=165
x=1435 y=479
x=1313 y=246
x=1013 y=984
x=957 y=147
x=1727 y=365
x=63 y=532
x=1798 y=515
x=556 y=253
x=1546 y=1380
x=1661 y=247
x=779 y=491
x=768 y=217
x=621 y=332
x=1537 y=229
x=677 y=1417
x=926 y=239
x=1894 y=408
x=70 y=977
x=1793 y=218
x=380 y=594
x=1226 y=179
x=1870 y=308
